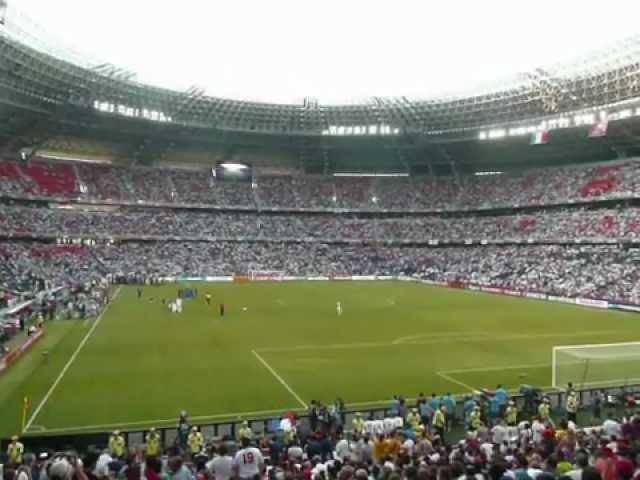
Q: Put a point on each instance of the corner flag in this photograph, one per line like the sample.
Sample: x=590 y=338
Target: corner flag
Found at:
x=26 y=406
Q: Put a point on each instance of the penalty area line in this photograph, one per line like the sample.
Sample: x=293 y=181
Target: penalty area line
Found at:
x=279 y=378
x=73 y=357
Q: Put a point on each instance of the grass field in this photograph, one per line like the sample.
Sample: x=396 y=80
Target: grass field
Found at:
x=138 y=364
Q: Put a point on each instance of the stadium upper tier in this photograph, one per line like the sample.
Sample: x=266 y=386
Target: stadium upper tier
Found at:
x=44 y=83
x=142 y=185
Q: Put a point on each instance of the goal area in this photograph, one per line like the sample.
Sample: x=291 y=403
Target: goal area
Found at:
x=594 y=366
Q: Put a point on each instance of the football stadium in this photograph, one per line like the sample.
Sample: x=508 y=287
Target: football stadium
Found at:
x=368 y=280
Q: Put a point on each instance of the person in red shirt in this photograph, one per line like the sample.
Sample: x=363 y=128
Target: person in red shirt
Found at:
x=153 y=468
x=606 y=464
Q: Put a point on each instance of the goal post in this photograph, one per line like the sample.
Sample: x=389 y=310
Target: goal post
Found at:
x=258 y=274
x=596 y=365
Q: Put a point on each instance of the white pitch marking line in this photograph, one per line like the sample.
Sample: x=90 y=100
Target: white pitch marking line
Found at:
x=38 y=428
x=457 y=382
x=279 y=378
x=434 y=336
x=69 y=363
x=493 y=369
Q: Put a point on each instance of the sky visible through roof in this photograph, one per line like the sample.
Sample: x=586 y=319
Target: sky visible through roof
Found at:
x=335 y=51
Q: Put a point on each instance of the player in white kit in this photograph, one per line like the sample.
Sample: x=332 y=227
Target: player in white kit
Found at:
x=338 y=308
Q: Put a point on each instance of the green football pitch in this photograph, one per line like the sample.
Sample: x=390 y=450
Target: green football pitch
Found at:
x=281 y=345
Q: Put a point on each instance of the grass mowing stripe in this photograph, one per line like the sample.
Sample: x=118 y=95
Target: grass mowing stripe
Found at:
x=279 y=378
x=43 y=402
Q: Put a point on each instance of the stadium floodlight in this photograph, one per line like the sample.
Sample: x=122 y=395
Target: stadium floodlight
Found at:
x=362 y=174
x=598 y=365
x=233 y=167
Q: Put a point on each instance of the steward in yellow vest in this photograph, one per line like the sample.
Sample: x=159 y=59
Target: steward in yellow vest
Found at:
x=117 y=444
x=15 y=451
x=152 y=443
x=358 y=424
x=195 y=441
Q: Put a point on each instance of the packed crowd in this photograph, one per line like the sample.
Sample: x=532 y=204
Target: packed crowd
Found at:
x=28 y=267
x=145 y=184
x=504 y=440
x=552 y=226
x=579 y=271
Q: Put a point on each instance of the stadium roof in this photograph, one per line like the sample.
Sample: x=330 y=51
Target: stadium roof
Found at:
x=284 y=51
x=43 y=84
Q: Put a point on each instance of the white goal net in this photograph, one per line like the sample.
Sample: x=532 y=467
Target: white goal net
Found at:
x=603 y=365
x=257 y=274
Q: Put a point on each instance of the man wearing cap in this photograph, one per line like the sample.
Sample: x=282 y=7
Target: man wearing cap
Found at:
x=15 y=451
x=152 y=443
x=117 y=444
x=195 y=441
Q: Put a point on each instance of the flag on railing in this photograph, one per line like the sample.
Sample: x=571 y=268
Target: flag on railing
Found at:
x=599 y=129
x=541 y=137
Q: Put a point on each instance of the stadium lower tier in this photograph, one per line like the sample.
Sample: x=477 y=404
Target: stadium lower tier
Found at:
x=615 y=224
x=606 y=272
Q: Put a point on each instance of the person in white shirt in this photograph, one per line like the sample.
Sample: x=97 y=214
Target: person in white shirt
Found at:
x=220 y=467
x=102 y=465
x=339 y=308
x=295 y=453
x=408 y=444
x=499 y=433
x=537 y=428
x=248 y=462
x=342 y=450
x=487 y=449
